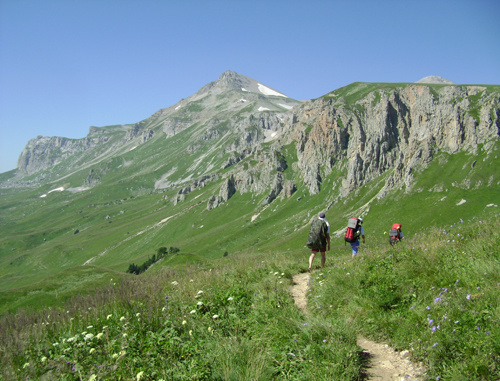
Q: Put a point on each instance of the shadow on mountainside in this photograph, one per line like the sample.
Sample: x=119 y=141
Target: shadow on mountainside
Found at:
x=380 y=362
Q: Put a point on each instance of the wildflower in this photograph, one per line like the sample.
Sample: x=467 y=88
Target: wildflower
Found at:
x=43 y=359
x=26 y=365
x=122 y=318
x=431 y=321
x=175 y=283
x=276 y=273
x=434 y=328
x=55 y=344
x=210 y=329
x=88 y=336
x=200 y=303
x=190 y=332
x=199 y=292
x=230 y=298
x=138 y=314
x=324 y=340
x=139 y=376
x=125 y=335
x=437 y=300
x=458 y=321
x=90 y=327
x=163 y=309
x=115 y=355
x=434 y=345
x=92 y=350
x=184 y=322
x=428 y=307
x=215 y=316
x=99 y=335
x=93 y=377
x=192 y=312
x=190 y=280
x=291 y=354
x=468 y=297
x=108 y=317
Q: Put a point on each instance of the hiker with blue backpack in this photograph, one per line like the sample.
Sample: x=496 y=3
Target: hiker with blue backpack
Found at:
x=353 y=233
x=319 y=239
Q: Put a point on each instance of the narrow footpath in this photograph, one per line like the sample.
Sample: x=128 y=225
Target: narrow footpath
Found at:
x=382 y=362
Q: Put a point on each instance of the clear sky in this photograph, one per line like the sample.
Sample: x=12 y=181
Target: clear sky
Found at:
x=66 y=65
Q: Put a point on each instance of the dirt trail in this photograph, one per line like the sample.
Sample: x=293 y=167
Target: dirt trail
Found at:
x=381 y=361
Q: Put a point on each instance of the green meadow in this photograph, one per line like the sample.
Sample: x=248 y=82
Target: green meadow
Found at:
x=221 y=308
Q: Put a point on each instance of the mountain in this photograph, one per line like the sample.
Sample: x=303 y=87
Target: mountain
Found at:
x=435 y=80
x=240 y=167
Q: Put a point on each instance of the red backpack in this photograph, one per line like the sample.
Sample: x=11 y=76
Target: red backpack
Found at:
x=352 y=230
x=395 y=234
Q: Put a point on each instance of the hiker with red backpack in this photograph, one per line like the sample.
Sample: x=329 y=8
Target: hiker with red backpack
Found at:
x=395 y=235
x=353 y=233
x=318 y=239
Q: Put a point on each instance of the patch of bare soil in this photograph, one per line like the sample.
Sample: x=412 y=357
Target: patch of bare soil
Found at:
x=381 y=362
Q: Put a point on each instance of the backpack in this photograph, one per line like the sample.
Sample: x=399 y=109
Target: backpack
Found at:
x=394 y=234
x=351 y=234
x=317 y=235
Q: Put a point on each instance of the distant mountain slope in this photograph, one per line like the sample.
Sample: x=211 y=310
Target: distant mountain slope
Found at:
x=433 y=79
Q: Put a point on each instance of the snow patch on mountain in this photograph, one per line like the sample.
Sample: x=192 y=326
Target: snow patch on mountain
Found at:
x=267 y=91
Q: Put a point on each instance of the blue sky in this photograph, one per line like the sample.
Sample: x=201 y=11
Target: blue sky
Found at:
x=66 y=65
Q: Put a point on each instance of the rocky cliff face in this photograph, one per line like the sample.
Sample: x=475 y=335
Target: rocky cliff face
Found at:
x=400 y=129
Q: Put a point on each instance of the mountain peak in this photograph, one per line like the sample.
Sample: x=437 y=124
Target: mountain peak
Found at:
x=435 y=79
x=234 y=81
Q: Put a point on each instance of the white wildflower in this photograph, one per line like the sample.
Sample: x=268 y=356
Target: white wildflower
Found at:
x=192 y=312
x=108 y=317
x=200 y=303
x=139 y=376
x=230 y=298
x=215 y=316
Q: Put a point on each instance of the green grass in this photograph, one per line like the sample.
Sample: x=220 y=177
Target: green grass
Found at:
x=234 y=318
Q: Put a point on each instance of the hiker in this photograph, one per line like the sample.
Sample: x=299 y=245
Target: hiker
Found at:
x=358 y=232
x=319 y=239
x=395 y=235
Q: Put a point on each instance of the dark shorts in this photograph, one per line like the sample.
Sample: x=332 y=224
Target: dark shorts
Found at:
x=320 y=250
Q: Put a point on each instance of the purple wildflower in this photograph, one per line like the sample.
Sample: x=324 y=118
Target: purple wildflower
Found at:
x=434 y=345
x=437 y=300
x=428 y=307
x=468 y=296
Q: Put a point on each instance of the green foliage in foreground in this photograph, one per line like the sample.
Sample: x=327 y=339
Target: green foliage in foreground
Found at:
x=237 y=321
x=434 y=294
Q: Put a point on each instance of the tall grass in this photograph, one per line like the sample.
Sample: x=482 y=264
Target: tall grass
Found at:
x=236 y=321
x=434 y=294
